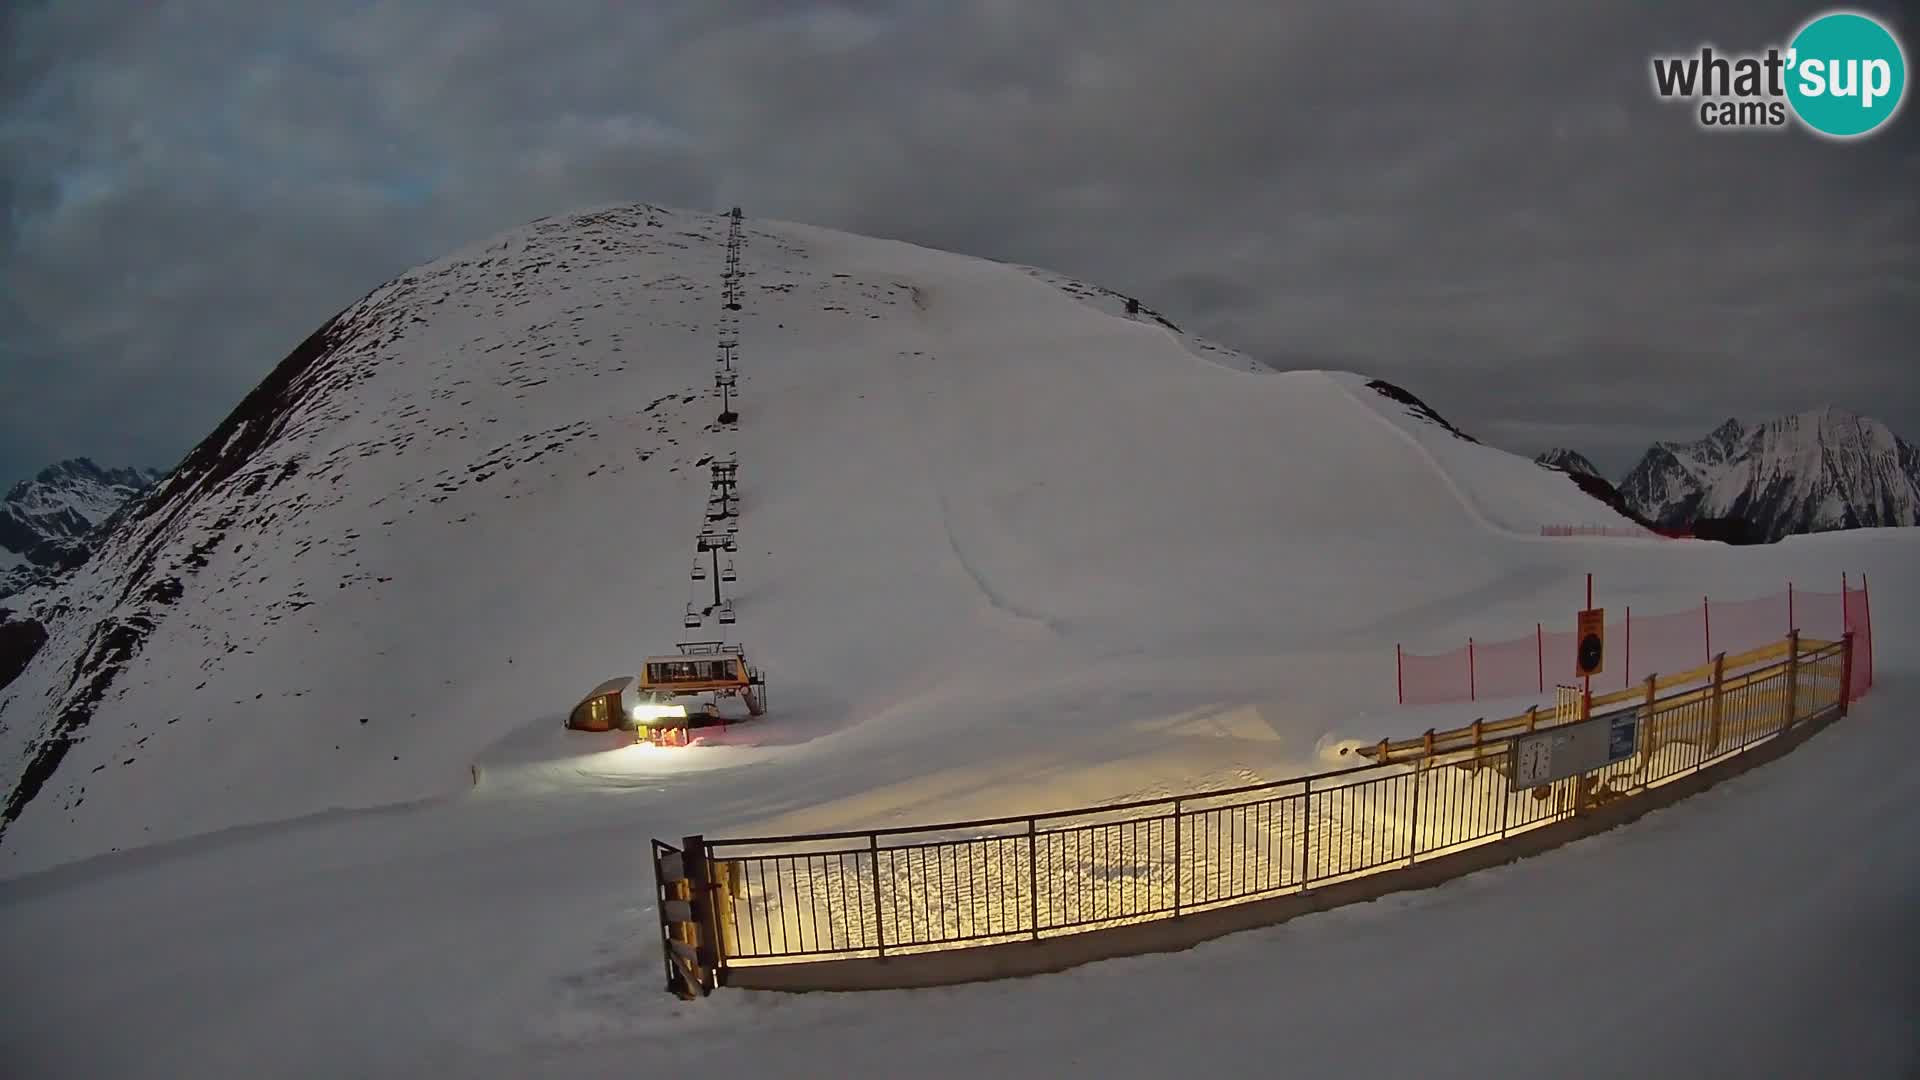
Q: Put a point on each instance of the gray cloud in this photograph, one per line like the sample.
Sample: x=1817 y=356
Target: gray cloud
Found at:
x=1481 y=201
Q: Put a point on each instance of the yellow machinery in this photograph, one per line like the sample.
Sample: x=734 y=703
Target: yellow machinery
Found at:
x=702 y=668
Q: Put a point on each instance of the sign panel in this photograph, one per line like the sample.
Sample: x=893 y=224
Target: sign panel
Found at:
x=1590 y=638
x=1623 y=735
x=1573 y=749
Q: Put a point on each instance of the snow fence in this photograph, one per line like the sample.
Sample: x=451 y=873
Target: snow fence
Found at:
x=1637 y=646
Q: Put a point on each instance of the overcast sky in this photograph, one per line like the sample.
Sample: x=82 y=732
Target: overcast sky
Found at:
x=1481 y=201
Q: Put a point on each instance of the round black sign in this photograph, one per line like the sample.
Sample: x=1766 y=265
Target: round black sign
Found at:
x=1590 y=652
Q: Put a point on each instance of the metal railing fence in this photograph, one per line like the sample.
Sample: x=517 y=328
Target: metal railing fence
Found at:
x=884 y=892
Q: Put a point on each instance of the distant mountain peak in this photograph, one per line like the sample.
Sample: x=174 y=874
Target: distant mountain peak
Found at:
x=1571 y=461
x=1821 y=469
x=47 y=523
x=1417 y=407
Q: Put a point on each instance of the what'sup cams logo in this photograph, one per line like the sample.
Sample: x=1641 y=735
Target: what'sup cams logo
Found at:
x=1842 y=75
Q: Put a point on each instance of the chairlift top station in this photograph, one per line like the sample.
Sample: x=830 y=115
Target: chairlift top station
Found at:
x=650 y=703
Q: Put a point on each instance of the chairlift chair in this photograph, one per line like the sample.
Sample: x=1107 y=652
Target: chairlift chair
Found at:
x=699 y=569
x=726 y=612
x=692 y=621
x=727 y=573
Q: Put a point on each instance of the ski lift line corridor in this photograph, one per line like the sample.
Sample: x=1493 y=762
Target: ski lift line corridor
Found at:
x=717 y=542
x=649 y=702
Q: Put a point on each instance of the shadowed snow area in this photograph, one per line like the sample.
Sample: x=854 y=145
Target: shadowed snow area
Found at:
x=1003 y=548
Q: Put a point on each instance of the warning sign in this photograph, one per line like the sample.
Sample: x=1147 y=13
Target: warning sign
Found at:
x=1591 y=638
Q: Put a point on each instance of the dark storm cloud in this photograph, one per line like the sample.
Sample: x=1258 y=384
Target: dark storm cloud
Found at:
x=1482 y=202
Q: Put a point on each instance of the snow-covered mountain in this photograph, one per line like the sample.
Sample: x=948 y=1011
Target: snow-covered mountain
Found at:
x=46 y=523
x=971 y=494
x=1572 y=461
x=1814 y=471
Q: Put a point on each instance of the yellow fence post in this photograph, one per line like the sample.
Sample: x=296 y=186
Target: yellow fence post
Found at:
x=1793 y=679
x=1846 y=671
x=727 y=886
x=1647 y=743
x=1713 y=709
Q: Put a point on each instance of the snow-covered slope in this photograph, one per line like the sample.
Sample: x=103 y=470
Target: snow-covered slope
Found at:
x=46 y=522
x=985 y=522
x=1500 y=490
x=1572 y=461
x=1810 y=472
x=1004 y=552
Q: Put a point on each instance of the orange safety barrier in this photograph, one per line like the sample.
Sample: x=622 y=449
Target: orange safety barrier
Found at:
x=1638 y=645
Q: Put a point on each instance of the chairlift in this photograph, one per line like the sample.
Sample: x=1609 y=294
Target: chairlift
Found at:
x=699 y=570
x=727 y=573
x=692 y=621
x=726 y=612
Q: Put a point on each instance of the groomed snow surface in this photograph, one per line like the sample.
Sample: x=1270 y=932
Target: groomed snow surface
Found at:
x=1003 y=551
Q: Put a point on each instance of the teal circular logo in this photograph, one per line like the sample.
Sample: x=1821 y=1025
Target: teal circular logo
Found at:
x=1846 y=74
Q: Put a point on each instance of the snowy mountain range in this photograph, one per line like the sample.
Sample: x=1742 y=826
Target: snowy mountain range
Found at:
x=1815 y=471
x=971 y=494
x=48 y=523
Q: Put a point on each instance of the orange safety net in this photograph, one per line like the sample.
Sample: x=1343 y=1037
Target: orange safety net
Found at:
x=1639 y=645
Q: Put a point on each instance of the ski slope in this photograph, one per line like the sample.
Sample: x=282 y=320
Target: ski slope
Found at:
x=1002 y=550
x=981 y=513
